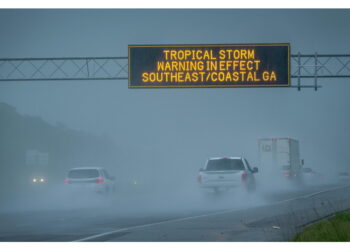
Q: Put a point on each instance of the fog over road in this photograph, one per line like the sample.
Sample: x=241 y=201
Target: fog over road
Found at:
x=153 y=142
x=169 y=215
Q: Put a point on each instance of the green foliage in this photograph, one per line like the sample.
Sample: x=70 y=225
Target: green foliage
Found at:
x=336 y=228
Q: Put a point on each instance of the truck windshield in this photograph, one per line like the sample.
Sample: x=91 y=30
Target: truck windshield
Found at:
x=83 y=173
x=225 y=164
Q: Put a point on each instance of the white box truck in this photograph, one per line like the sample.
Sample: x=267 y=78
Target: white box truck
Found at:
x=280 y=157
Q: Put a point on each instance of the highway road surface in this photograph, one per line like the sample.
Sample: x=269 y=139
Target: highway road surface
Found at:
x=264 y=216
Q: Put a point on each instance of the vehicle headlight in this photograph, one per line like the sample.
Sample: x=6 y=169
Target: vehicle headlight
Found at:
x=42 y=180
x=34 y=180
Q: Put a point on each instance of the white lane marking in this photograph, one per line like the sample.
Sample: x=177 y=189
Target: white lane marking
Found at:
x=310 y=195
x=152 y=224
x=198 y=216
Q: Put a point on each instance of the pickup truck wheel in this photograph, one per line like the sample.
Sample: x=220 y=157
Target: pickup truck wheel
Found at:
x=216 y=190
x=107 y=191
x=251 y=186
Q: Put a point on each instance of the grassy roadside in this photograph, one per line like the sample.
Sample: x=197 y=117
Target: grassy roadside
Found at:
x=336 y=228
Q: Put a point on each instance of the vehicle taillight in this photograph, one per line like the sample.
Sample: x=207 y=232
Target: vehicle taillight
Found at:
x=99 y=180
x=199 y=179
x=244 y=177
x=66 y=181
x=286 y=174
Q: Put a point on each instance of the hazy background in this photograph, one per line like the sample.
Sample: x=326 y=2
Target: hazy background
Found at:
x=169 y=133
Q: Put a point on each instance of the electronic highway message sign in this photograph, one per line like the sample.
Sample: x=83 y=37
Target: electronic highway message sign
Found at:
x=226 y=65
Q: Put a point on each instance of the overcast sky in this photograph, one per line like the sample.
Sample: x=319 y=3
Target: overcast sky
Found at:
x=184 y=124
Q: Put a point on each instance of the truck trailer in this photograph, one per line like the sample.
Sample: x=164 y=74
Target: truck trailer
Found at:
x=280 y=157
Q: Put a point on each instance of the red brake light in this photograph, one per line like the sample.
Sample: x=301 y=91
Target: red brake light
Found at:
x=100 y=180
x=286 y=174
x=244 y=177
x=66 y=181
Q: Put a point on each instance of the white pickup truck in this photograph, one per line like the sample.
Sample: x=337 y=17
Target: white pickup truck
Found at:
x=221 y=174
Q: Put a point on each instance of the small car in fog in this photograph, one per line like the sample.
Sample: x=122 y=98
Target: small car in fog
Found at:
x=39 y=180
x=90 y=179
x=344 y=177
x=310 y=173
x=221 y=174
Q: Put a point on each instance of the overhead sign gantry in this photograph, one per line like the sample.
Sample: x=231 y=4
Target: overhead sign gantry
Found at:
x=306 y=70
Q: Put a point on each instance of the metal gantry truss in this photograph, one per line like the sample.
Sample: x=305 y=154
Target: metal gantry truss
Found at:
x=319 y=66
x=312 y=66
x=67 y=68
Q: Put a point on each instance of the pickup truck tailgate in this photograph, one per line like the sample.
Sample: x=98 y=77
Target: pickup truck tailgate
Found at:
x=225 y=178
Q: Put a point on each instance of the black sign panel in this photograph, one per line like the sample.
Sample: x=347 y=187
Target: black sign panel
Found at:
x=235 y=65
